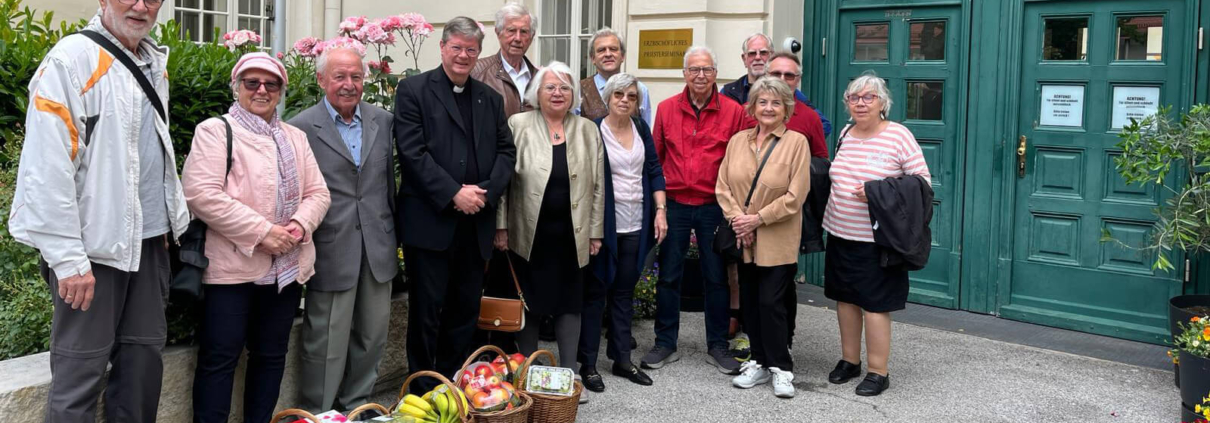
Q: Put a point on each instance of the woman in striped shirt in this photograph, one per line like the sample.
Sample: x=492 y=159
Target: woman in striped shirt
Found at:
x=871 y=148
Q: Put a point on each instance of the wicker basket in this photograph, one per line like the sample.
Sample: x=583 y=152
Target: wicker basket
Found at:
x=294 y=412
x=519 y=414
x=549 y=408
x=371 y=406
x=468 y=418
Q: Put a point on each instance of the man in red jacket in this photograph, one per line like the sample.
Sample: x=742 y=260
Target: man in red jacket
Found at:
x=691 y=134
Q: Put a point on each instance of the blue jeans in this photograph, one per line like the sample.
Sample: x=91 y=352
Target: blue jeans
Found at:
x=703 y=220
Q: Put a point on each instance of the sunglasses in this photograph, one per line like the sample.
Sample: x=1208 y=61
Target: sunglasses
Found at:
x=255 y=84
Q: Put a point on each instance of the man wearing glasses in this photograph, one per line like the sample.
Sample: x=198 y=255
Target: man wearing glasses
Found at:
x=757 y=55
x=691 y=133
x=97 y=193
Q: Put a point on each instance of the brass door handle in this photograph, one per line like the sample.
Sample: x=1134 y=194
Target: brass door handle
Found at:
x=1021 y=157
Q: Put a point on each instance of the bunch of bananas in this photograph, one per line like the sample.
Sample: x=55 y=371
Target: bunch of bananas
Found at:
x=437 y=406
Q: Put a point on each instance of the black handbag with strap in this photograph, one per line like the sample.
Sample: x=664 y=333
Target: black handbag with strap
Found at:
x=190 y=262
x=726 y=243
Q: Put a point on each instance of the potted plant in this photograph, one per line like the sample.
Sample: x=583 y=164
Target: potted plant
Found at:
x=1193 y=353
x=1152 y=149
x=1200 y=413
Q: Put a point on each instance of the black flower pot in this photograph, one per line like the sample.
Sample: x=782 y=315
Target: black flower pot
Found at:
x=1195 y=379
x=1188 y=416
x=692 y=294
x=1177 y=313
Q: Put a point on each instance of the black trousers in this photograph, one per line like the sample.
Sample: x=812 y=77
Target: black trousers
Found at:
x=762 y=296
x=615 y=304
x=235 y=316
x=443 y=305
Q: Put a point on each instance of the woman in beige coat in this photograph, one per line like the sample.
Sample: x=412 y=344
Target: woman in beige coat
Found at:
x=552 y=217
x=768 y=228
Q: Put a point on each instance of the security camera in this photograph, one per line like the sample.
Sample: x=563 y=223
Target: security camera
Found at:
x=791 y=45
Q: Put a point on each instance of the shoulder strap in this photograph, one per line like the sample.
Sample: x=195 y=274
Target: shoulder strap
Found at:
x=760 y=169
x=516 y=284
x=117 y=53
x=840 y=139
x=230 y=139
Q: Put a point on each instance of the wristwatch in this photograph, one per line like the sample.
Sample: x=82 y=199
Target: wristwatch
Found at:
x=661 y=207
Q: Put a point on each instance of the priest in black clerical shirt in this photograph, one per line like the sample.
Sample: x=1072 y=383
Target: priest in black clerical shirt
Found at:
x=457 y=156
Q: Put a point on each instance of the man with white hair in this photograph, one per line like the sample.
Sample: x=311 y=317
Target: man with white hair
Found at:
x=756 y=53
x=607 y=51
x=509 y=71
x=691 y=134
x=98 y=196
x=349 y=298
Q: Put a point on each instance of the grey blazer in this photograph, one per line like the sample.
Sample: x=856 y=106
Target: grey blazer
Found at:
x=362 y=215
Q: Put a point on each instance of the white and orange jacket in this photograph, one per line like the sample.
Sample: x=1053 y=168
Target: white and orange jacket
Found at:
x=77 y=197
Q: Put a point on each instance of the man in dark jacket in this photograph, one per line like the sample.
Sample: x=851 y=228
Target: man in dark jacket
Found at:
x=901 y=209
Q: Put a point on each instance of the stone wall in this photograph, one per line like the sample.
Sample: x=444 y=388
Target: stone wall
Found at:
x=24 y=381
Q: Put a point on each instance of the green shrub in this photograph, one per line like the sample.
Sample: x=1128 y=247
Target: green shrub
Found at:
x=25 y=37
x=199 y=84
x=25 y=314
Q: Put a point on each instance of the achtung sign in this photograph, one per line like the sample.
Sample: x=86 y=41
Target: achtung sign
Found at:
x=664 y=48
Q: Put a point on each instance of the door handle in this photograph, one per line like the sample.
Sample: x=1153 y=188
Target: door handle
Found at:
x=1021 y=157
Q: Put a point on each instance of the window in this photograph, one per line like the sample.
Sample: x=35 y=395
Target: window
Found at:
x=927 y=41
x=558 y=40
x=870 y=44
x=206 y=20
x=1065 y=39
x=1140 y=38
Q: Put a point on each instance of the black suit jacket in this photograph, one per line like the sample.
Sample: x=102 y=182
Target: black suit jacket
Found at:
x=431 y=141
x=901 y=209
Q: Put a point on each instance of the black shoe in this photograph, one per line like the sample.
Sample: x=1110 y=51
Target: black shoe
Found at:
x=631 y=373
x=844 y=372
x=873 y=385
x=592 y=379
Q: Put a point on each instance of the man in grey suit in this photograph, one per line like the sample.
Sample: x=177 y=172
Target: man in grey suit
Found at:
x=348 y=301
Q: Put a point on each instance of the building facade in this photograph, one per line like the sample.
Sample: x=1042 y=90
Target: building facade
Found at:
x=1016 y=104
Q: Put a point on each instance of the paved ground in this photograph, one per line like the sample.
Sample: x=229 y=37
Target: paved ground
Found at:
x=936 y=376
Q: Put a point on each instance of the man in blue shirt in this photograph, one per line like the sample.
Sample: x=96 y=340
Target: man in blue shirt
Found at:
x=607 y=53
x=757 y=49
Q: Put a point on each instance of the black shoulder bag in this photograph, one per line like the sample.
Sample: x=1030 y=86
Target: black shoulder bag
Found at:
x=191 y=260
x=725 y=241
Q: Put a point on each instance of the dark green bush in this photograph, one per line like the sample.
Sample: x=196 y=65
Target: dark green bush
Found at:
x=25 y=37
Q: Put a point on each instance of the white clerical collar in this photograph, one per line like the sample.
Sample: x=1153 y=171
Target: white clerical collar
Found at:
x=459 y=90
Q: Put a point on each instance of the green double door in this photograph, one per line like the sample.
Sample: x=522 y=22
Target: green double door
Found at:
x=1086 y=68
x=918 y=52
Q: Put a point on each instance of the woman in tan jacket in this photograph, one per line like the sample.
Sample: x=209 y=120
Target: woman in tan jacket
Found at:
x=768 y=227
x=552 y=217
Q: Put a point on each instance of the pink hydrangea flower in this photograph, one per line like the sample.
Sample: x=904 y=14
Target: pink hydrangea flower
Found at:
x=374 y=33
x=239 y=38
x=341 y=42
x=305 y=47
x=351 y=24
x=392 y=23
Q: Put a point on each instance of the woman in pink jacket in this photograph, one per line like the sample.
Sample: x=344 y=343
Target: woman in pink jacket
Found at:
x=260 y=218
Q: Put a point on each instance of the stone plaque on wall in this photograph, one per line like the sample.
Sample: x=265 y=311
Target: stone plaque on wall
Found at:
x=664 y=48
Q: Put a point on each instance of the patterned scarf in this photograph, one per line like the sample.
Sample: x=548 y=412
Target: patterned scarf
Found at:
x=285 y=266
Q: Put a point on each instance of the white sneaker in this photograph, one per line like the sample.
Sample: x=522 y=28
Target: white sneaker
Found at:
x=782 y=386
x=750 y=374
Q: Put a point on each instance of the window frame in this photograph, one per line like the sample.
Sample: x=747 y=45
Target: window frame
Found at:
x=578 y=55
x=233 y=17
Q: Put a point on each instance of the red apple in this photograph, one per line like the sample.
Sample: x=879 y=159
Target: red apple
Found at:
x=484 y=371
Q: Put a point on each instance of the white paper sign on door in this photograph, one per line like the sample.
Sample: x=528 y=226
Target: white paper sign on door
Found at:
x=1134 y=103
x=1062 y=105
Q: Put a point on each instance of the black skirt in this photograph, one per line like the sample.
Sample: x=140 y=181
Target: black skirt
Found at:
x=852 y=275
x=552 y=275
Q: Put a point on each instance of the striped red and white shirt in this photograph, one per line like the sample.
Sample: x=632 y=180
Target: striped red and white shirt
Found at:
x=893 y=152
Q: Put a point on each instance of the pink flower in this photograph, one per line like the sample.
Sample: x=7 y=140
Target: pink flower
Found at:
x=481 y=27
x=351 y=24
x=413 y=20
x=374 y=33
x=306 y=47
x=427 y=29
x=383 y=67
x=281 y=55
x=341 y=42
x=392 y=23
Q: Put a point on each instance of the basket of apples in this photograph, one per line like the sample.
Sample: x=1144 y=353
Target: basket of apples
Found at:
x=488 y=386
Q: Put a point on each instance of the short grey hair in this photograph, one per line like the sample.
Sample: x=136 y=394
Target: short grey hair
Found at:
x=602 y=33
x=870 y=81
x=563 y=73
x=620 y=82
x=321 y=62
x=514 y=10
x=699 y=49
x=462 y=26
x=770 y=85
x=744 y=48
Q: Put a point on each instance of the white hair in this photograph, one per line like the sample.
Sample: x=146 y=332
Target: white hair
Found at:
x=563 y=73
x=699 y=49
x=321 y=62
x=602 y=33
x=620 y=82
x=870 y=81
x=514 y=10
x=768 y=41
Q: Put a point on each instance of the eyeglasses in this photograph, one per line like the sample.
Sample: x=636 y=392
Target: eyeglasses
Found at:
x=151 y=4
x=704 y=70
x=470 y=51
x=762 y=53
x=255 y=84
x=632 y=96
x=551 y=88
x=867 y=99
x=785 y=75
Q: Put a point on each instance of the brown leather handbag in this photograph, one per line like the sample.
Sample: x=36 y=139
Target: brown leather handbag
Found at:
x=503 y=314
